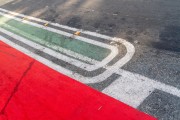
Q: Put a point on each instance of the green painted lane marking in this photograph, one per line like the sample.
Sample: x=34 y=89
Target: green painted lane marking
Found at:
x=52 y=40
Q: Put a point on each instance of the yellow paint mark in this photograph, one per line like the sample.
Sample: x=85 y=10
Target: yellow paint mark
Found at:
x=46 y=24
x=77 y=33
x=25 y=18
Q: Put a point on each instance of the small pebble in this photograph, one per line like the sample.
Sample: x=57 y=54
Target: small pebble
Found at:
x=136 y=42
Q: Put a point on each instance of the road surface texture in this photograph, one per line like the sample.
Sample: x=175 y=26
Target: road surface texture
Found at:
x=151 y=26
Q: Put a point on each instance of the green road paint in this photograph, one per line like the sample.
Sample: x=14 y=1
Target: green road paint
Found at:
x=53 y=40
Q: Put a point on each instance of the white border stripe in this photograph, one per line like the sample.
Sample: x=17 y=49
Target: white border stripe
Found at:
x=133 y=88
x=127 y=76
x=114 y=50
x=42 y=60
x=154 y=83
x=130 y=52
x=129 y=90
x=46 y=50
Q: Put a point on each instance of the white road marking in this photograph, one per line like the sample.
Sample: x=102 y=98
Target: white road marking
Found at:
x=41 y=59
x=154 y=83
x=128 y=90
x=46 y=49
x=133 y=88
x=114 y=50
x=130 y=52
x=68 y=52
x=127 y=44
x=111 y=69
x=4 y=2
x=95 y=79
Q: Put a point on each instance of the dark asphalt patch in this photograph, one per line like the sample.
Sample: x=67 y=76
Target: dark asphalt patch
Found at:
x=74 y=22
x=163 y=66
x=100 y=86
x=169 y=39
x=162 y=105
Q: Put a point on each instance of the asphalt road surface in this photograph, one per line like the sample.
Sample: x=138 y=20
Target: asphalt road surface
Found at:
x=151 y=26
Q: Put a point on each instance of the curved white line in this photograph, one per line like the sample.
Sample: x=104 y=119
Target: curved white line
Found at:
x=99 y=78
x=130 y=52
x=112 y=69
x=114 y=50
x=130 y=48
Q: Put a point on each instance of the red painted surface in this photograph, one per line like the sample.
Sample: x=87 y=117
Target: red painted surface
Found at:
x=44 y=94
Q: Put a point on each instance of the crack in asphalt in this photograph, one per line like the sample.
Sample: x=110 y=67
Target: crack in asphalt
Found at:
x=2 y=112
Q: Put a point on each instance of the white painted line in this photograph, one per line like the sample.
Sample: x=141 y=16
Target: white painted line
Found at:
x=114 y=50
x=42 y=60
x=129 y=87
x=130 y=91
x=40 y=20
x=67 y=27
x=130 y=50
x=98 y=78
x=68 y=52
x=122 y=41
x=154 y=83
x=133 y=88
x=46 y=49
x=111 y=69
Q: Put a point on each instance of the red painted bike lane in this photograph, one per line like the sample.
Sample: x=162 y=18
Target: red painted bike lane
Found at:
x=32 y=91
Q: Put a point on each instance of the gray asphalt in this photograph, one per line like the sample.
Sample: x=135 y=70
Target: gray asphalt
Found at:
x=153 y=26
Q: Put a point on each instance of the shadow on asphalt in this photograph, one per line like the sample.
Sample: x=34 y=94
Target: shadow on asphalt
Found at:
x=169 y=39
